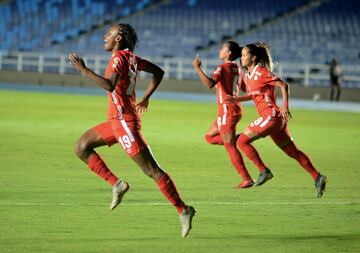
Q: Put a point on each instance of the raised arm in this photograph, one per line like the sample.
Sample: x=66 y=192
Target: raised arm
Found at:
x=208 y=82
x=157 y=75
x=79 y=64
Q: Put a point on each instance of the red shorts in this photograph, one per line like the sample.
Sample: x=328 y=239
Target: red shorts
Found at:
x=127 y=134
x=276 y=127
x=226 y=121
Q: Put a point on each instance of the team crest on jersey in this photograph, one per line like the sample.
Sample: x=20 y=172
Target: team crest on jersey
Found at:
x=217 y=71
x=115 y=62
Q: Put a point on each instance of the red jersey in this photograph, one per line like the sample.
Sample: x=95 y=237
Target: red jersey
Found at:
x=121 y=102
x=226 y=77
x=261 y=83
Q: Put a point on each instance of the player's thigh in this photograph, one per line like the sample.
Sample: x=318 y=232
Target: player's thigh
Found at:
x=128 y=135
x=145 y=159
x=213 y=130
x=227 y=129
x=264 y=126
x=227 y=126
x=97 y=136
x=282 y=138
x=228 y=137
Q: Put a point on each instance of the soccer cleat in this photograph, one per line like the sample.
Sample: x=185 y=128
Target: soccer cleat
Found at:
x=263 y=177
x=185 y=220
x=320 y=184
x=119 y=190
x=245 y=184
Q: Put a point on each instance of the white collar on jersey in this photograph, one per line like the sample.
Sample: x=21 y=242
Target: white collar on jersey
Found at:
x=126 y=49
x=250 y=75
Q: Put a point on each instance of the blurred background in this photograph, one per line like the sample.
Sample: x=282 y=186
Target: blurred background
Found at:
x=305 y=35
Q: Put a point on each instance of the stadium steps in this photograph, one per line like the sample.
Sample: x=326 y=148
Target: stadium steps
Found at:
x=266 y=21
x=138 y=9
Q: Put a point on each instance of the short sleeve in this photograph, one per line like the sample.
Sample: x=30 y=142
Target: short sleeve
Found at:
x=269 y=77
x=216 y=74
x=141 y=63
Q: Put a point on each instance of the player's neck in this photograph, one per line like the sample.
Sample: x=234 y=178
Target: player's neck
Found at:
x=226 y=60
x=250 y=68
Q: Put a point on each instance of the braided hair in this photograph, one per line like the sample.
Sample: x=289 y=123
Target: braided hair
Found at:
x=129 y=36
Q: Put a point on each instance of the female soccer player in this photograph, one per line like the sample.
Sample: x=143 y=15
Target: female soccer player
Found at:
x=124 y=124
x=223 y=130
x=260 y=85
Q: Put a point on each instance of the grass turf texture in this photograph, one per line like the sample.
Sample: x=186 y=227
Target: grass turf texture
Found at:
x=51 y=202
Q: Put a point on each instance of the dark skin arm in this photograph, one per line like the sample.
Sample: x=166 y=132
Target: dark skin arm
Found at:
x=106 y=83
x=208 y=82
x=157 y=75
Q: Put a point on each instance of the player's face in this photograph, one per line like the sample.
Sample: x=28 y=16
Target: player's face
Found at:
x=224 y=52
x=110 y=38
x=246 y=58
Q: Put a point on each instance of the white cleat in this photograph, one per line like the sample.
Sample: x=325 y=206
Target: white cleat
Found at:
x=185 y=219
x=119 y=190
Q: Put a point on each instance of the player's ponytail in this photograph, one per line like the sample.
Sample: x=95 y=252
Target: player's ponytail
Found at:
x=261 y=51
x=265 y=59
x=128 y=33
x=235 y=49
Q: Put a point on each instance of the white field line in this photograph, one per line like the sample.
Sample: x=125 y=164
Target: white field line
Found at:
x=320 y=202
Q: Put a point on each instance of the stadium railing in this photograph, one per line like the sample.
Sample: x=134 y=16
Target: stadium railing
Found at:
x=306 y=74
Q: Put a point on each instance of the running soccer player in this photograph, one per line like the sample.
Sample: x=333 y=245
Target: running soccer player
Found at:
x=260 y=85
x=223 y=129
x=124 y=119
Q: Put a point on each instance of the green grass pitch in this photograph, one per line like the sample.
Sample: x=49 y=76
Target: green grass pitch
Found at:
x=51 y=202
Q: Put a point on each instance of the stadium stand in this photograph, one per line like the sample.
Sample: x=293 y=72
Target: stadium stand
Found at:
x=299 y=31
x=31 y=25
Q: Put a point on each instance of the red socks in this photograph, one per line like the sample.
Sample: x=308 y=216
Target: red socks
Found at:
x=216 y=139
x=237 y=160
x=165 y=184
x=244 y=144
x=97 y=165
x=168 y=188
x=292 y=151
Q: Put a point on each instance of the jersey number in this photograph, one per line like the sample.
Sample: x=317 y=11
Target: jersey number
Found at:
x=258 y=121
x=125 y=141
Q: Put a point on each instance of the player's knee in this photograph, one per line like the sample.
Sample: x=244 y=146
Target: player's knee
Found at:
x=242 y=141
x=291 y=150
x=208 y=138
x=153 y=171
x=229 y=145
x=80 y=148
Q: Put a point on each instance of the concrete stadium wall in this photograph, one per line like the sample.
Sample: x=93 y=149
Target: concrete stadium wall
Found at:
x=193 y=86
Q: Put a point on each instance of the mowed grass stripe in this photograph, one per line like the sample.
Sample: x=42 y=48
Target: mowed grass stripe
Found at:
x=191 y=203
